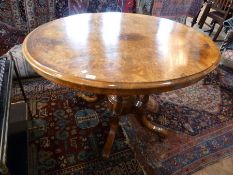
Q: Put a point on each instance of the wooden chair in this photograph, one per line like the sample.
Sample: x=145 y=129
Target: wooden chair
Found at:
x=194 y=21
x=219 y=11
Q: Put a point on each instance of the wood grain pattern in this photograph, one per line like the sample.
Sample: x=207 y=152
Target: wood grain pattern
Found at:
x=121 y=54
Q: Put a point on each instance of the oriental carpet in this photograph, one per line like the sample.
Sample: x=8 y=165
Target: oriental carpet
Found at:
x=69 y=133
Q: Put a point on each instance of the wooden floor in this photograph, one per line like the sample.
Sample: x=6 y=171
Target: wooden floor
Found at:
x=222 y=167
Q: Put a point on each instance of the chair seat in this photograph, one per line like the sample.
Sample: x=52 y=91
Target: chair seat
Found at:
x=217 y=16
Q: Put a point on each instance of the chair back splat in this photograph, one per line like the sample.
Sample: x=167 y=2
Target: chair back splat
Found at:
x=219 y=11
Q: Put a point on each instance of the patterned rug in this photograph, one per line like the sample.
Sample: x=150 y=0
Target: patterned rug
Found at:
x=69 y=134
x=201 y=116
x=9 y=37
x=19 y=17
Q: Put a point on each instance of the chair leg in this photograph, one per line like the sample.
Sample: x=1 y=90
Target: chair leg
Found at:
x=218 y=32
x=194 y=21
x=202 y=22
x=212 y=29
x=204 y=16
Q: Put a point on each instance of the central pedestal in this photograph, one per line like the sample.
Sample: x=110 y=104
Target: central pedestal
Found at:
x=122 y=105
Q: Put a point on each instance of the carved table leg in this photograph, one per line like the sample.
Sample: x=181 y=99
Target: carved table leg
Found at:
x=141 y=106
x=87 y=97
x=114 y=124
x=115 y=104
x=119 y=105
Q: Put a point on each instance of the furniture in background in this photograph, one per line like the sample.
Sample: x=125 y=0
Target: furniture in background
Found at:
x=109 y=60
x=197 y=5
x=227 y=46
x=176 y=10
x=227 y=55
x=5 y=94
x=6 y=76
x=228 y=41
x=219 y=11
x=144 y=6
x=17 y=151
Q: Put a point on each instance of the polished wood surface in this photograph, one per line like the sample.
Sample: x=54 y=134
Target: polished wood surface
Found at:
x=122 y=54
x=141 y=107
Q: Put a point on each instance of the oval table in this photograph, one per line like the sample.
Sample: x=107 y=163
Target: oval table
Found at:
x=124 y=56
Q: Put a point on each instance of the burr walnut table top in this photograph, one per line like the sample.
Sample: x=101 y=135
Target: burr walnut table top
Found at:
x=118 y=53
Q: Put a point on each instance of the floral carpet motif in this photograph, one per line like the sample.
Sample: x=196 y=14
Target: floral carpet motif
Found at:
x=198 y=107
x=201 y=115
x=71 y=133
x=9 y=37
x=189 y=97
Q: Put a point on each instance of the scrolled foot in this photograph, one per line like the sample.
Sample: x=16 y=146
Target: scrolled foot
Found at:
x=163 y=133
x=151 y=105
x=114 y=124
